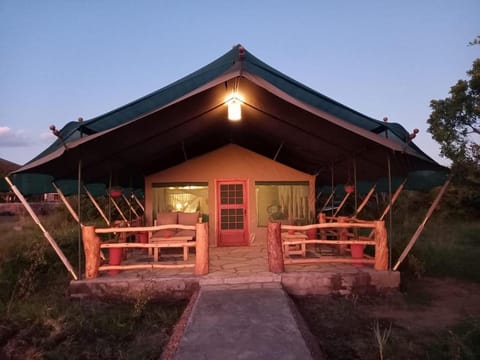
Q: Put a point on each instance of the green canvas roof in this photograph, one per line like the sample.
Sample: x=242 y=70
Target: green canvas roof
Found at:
x=282 y=119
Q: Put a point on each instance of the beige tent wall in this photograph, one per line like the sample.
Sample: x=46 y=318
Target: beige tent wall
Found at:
x=231 y=162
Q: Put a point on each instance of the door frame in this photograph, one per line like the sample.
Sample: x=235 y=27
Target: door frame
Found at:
x=246 y=192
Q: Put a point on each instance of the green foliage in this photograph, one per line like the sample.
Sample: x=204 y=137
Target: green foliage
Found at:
x=449 y=244
x=454 y=121
x=38 y=320
x=475 y=41
x=461 y=342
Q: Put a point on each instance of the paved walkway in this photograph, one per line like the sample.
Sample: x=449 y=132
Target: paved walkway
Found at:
x=243 y=324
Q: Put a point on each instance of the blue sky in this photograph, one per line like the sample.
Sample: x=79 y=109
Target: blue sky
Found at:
x=60 y=60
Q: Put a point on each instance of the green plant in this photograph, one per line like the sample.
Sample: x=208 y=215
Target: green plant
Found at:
x=460 y=342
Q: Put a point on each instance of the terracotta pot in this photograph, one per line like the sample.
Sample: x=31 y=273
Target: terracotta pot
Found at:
x=142 y=238
x=356 y=251
x=312 y=234
x=114 y=258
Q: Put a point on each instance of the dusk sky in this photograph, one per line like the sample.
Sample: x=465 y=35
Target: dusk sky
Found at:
x=61 y=60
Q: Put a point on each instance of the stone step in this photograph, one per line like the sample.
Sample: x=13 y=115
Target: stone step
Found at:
x=269 y=281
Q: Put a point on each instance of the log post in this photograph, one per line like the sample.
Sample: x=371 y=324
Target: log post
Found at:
x=381 y=248
x=91 y=246
x=274 y=248
x=322 y=219
x=201 y=249
x=342 y=235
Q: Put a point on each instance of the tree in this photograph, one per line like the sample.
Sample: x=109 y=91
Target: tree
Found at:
x=455 y=124
x=455 y=121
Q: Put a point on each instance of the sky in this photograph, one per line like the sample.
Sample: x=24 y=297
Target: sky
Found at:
x=61 y=60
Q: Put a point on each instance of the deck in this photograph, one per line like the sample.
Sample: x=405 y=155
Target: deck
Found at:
x=235 y=268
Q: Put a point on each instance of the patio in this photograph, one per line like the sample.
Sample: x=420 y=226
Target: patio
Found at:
x=243 y=267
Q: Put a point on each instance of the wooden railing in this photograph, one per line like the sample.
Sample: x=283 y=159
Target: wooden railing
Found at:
x=340 y=233
x=92 y=246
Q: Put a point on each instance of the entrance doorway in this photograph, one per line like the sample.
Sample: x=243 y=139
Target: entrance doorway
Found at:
x=232 y=208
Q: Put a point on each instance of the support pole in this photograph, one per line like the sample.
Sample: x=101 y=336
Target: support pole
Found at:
x=345 y=198
x=365 y=201
x=91 y=246
x=274 y=248
x=422 y=225
x=35 y=218
x=390 y=204
x=130 y=205
x=118 y=208
x=79 y=212
x=138 y=202
x=201 y=249
x=326 y=202
x=99 y=209
x=66 y=203
x=394 y=199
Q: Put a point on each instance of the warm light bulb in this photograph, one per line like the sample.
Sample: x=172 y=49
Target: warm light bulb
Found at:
x=234 y=109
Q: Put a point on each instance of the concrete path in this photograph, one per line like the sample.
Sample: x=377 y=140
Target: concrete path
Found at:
x=243 y=324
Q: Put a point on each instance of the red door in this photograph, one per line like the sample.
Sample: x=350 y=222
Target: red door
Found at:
x=232 y=213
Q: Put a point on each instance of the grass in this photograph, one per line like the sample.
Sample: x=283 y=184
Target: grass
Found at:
x=446 y=249
x=461 y=342
x=39 y=321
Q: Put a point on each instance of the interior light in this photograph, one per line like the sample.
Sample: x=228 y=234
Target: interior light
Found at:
x=234 y=108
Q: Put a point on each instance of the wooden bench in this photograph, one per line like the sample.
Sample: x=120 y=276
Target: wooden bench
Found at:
x=184 y=242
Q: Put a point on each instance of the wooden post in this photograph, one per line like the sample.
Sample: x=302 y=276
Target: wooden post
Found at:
x=342 y=234
x=322 y=219
x=381 y=246
x=201 y=249
x=91 y=246
x=274 y=248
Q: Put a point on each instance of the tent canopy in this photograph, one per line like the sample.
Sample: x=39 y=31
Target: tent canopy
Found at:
x=281 y=119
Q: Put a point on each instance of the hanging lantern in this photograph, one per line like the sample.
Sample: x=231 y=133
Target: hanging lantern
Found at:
x=234 y=109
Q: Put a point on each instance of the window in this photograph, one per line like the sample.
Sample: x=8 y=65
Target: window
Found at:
x=191 y=197
x=282 y=201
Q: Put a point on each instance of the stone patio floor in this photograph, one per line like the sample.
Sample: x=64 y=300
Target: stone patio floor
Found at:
x=237 y=268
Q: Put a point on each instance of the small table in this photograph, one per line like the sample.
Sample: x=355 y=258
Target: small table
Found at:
x=293 y=249
x=173 y=241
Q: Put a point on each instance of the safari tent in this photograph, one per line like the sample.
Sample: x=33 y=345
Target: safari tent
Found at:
x=237 y=142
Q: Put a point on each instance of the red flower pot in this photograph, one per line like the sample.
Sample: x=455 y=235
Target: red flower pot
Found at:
x=142 y=238
x=356 y=251
x=115 y=258
x=312 y=234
